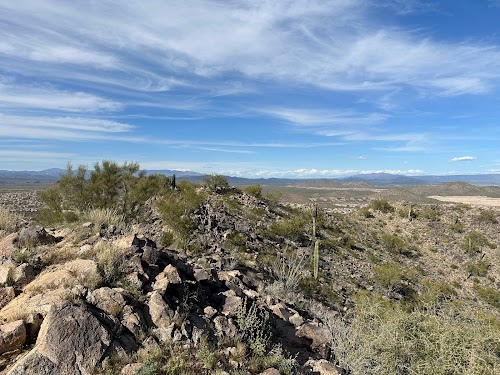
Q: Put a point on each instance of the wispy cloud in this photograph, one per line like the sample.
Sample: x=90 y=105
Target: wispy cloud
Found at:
x=49 y=98
x=462 y=158
x=22 y=155
x=322 y=117
x=135 y=45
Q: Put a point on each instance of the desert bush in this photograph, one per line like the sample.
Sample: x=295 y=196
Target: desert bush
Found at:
x=166 y=238
x=8 y=220
x=177 y=208
x=255 y=190
x=435 y=292
x=366 y=212
x=387 y=338
x=288 y=271
x=474 y=241
x=216 y=183
x=122 y=188
x=488 y=216
x=430 y=214
x=293 y=228
x=489 y=295
x=457 y=226
x=478 y=268
x=255 y=331
x=273 y=198
x=381 y=205
x=393 y=243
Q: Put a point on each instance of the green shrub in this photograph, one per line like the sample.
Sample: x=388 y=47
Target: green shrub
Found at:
x=488 y=216
x=177 y=208
x=216 y=183
x=474 y=241
x=457 y=226
x=435 y=292
x=489 y=295
x=166 y=239
x=430 y=214
x=393 y=243
x=389 y=339
x=255 y=190
x=293 y=228
x=109 y=186
x=381 y=205
x=478 y=268
x=366 y=212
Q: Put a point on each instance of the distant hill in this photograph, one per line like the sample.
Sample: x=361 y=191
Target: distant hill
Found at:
x=51 y=175
x=397 y=179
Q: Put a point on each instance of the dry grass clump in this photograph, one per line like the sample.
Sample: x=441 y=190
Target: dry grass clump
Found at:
x=8 y=220
x=106 y=216
x=110 y=260
x=385 y=338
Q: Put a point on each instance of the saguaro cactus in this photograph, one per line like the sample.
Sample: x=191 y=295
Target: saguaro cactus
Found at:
x=316 y=259
x=314 y=214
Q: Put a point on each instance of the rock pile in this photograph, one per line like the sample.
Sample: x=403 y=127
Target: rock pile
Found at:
x=65 y=320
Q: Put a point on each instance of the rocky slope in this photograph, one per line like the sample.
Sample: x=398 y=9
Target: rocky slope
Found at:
x=95 y=298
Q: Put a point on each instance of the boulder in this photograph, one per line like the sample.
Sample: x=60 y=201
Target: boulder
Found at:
x=270 y=371
x=24 y=273
x=72 y=341
x=317 y=334
x=225 y=327
x=171 y=274
x=131 y=369
x=7 y=294
x=323 y=367
x=232 y=303
x=7 y=272
x=133 y=320
x=111 y=301
x=29 y=237
x=160 y=312
x=8 y=245
x=12 y=336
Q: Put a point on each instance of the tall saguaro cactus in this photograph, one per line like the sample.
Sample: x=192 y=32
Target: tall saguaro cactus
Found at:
x=316 y=259
x=314 y=214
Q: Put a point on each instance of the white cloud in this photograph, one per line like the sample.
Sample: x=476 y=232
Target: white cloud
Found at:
x=47 y=98
x=60 y=128
x=136 y=45
x=462 y=158
x=321 y=117
x=23 y=155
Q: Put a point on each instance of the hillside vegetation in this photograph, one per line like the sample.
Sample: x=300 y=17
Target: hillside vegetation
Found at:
x=146 y=275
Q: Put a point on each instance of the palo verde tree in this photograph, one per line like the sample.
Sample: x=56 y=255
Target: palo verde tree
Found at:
x=123 y=188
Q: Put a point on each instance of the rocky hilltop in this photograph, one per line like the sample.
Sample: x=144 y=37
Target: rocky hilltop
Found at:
x=215 y=280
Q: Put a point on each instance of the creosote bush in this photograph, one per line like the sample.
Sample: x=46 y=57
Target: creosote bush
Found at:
x=381 y=205
x=177 y=208
x=393 y=243
x=488 y=216
x=255 y=190
x=216 y=183
x=474 y=242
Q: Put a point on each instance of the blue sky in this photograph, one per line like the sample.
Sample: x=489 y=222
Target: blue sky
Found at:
x=256 y=88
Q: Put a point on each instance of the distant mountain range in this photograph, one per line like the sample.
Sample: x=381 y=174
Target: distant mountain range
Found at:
x=51 y=175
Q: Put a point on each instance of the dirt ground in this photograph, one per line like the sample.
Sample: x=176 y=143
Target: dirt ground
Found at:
x=474 y=200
